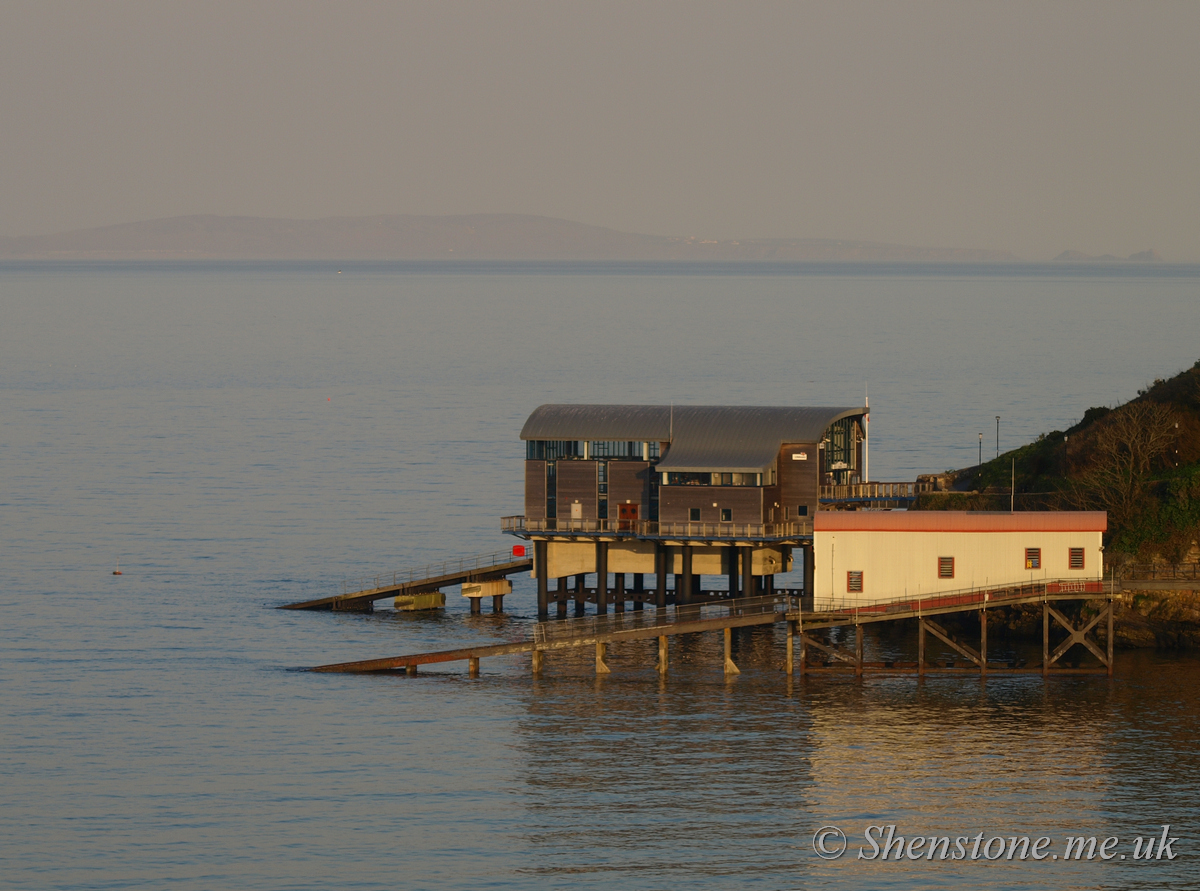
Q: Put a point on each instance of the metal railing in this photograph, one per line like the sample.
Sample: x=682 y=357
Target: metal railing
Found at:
x=583 y=627
x=400 y=577
x=657 y=529
x=1182 y=571
x=864 y=491
x=964 y=597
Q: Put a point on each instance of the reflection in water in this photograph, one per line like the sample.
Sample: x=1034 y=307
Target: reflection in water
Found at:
x=656 y=782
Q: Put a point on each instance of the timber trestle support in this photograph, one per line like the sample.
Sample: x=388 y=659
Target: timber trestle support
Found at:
x=804 y=649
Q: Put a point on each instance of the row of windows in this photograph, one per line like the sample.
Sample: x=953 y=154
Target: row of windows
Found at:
x=558 y=450
x=712 y=479
x=945 y=567
x=694 y=514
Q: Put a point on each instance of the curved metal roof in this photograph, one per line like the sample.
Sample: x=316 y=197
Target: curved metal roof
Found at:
x=704 y=438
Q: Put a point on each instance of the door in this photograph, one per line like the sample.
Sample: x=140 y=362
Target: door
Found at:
x=627 y=517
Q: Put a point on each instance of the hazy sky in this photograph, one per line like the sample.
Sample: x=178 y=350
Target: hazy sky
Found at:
x=1032 y=127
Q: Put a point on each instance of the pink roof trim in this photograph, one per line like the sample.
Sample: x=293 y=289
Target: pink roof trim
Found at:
x=959 y=521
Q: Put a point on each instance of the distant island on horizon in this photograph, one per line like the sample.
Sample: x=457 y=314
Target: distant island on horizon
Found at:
x=458 y=237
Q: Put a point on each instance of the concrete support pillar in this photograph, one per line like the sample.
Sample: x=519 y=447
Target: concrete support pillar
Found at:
x=601 y=578
x=769 y=584
x=732 y=557
x=537 y=662
x=475 y=605
x=619 y=592
x=662 y=654
x=810 y=567
x=410 y=670
x=580 y=597
x=747 y=572
x=560 y=598
x=679 y=584
x=543 y=587
x=730 y=668
x=639 y=591
x=685 y=596
x=663 y=555
x=497 y=603
x=473 y=667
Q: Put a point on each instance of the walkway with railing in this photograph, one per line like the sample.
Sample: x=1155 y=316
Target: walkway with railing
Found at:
x=869 y=492
x=786 y=531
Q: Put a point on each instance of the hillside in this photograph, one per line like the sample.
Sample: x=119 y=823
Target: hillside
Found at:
x=467 y=237
x=1139 y=461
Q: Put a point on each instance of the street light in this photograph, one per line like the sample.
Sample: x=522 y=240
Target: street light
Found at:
x=980 y=449
x=997 y=436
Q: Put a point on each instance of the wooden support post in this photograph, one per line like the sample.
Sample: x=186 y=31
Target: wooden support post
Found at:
x=920 y=648
x=601 y=665
x=537 y=661
x=803 y=647
x=983 y=643
x=1110 y=637
x=685 y=596
x=601 y=578
x=473 y=667
x=663 y=555
x=410 y=670
x=543 y=587
x=858 y=650
x=580 y=598
x=789 y=661
x=1045 y=638
x=662 y=654
x=619 y=592
x=730 y=668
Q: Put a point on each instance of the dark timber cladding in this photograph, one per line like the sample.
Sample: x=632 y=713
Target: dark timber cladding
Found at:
x=683 y=491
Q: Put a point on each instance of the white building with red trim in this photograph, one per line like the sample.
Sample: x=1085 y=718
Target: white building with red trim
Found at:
x=868 y=556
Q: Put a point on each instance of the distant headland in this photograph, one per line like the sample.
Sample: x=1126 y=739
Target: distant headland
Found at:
x=464 y=237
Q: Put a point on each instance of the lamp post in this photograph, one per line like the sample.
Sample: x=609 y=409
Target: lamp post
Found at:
x=997 y=436
x=980 y=449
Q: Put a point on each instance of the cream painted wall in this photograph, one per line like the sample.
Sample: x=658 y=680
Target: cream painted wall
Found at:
x=898 y=564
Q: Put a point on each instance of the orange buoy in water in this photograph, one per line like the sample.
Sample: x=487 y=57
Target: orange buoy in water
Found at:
x=117 y=571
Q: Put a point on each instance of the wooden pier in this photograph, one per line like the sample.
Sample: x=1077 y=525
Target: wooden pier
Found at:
x=813 y=655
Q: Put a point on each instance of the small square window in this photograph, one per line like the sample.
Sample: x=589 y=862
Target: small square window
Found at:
x=694 y=514
x=945 y=567
x=1033 y=558
x=802 y=510
x=726 y=515
x=854 y=582
x=1075 y=558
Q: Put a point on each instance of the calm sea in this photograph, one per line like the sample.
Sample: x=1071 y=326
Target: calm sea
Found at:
x=242 y=435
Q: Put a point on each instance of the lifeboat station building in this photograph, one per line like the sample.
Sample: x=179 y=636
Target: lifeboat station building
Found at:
x=662 y=491
x=873 y=556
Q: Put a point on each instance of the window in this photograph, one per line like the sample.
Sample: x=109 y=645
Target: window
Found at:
x=1075 y=558
x=602 y=490
x=802 y=510
x=551 y=490
x=552 y=450
x=1033 y=558
x=726 y=514
x=694 y=514
x=711 y=479
x=854 y=582
x=945 y=567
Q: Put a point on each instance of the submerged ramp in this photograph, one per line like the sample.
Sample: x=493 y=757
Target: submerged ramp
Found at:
x=361 y=593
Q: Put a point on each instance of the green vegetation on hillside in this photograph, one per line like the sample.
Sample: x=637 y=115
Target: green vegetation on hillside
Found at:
x=1139 y=461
